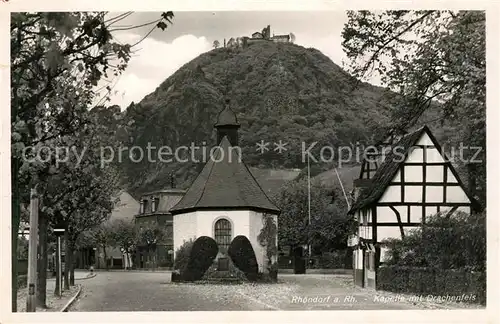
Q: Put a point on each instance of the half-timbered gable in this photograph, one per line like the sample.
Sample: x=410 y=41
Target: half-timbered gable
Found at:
x=414 y=181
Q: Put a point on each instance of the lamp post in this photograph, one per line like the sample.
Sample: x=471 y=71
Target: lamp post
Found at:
x=96 y=257
x=58 y=232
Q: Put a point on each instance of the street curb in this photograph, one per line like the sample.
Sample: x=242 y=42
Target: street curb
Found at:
x=89 y=277
x=72 y=300
x=52 y=279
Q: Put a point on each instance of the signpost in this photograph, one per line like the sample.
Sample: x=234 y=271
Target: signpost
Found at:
x=58 y=232
x=32 y=252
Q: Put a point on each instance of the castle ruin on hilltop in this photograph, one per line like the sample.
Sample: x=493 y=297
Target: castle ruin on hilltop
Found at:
x=262 y=36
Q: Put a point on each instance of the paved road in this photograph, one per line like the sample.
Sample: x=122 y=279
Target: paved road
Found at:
x=153 y=291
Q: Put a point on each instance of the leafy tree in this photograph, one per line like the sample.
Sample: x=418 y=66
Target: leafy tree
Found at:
x=78 y=194
x=57 y=60
x=216 y=44
x=329 y=225
x=431 y=59
x=125 y=236
x=150 y=236
x=182 y=255
x=102 y=236
x=22 y=248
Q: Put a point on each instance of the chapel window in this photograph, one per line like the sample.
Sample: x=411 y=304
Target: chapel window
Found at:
x=222 y=233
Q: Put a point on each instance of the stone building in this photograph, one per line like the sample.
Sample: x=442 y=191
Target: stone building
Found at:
x=154 y=211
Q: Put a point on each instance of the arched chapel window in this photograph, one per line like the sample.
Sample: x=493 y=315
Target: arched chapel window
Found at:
x=222 y=233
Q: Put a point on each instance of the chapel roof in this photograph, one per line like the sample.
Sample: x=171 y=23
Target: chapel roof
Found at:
x=390 y=166
x=225 y=183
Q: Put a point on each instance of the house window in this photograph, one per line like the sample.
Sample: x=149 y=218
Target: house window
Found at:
x=145 y=206
x=169 y=231
x=222 y=233
x=142 y=207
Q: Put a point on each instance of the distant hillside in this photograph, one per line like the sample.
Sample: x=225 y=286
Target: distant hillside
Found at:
x=278 y=91
x=271 y=180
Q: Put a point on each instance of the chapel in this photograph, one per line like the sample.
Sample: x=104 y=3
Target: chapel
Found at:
x=225 y=200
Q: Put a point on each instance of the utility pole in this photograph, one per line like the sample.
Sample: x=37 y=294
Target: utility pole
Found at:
x=309 y=201
x=343 y=190
x=58 y=232
x=32 y=252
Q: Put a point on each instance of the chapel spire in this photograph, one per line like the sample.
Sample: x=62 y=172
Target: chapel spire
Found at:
x=227 y=125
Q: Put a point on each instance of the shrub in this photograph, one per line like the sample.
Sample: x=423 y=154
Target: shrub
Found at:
x=434 y=281
x=243 y=256
x=182 y=255
x=203 y=253
x=456 y=242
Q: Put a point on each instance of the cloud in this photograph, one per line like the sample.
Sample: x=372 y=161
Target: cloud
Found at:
x=152 y=64
x=328 y=45
x=156 y=60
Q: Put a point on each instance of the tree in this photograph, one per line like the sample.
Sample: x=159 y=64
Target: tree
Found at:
x=102 y=237
x=329 y=226
x=125 y=236
x=150 y=236
x=57 y=60
x=431 y=59
x=216 y=44
x=79 y=192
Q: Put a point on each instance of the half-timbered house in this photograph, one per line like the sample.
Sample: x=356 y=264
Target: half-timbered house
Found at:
x=412 y=181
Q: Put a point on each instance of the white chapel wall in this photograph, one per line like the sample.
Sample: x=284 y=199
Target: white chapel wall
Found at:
x=239 y=220
x=184 y=228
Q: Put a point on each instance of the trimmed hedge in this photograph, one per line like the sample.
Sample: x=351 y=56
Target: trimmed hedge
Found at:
x=432 y=281
x=243 y=256
x=203 y=253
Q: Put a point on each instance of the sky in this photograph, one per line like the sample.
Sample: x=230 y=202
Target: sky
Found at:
x=193 y=33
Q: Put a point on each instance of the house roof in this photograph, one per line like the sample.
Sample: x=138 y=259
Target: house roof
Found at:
x=225 y=182
x=390 y=166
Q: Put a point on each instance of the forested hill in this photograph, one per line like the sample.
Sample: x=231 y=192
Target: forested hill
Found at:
x=279 y=92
